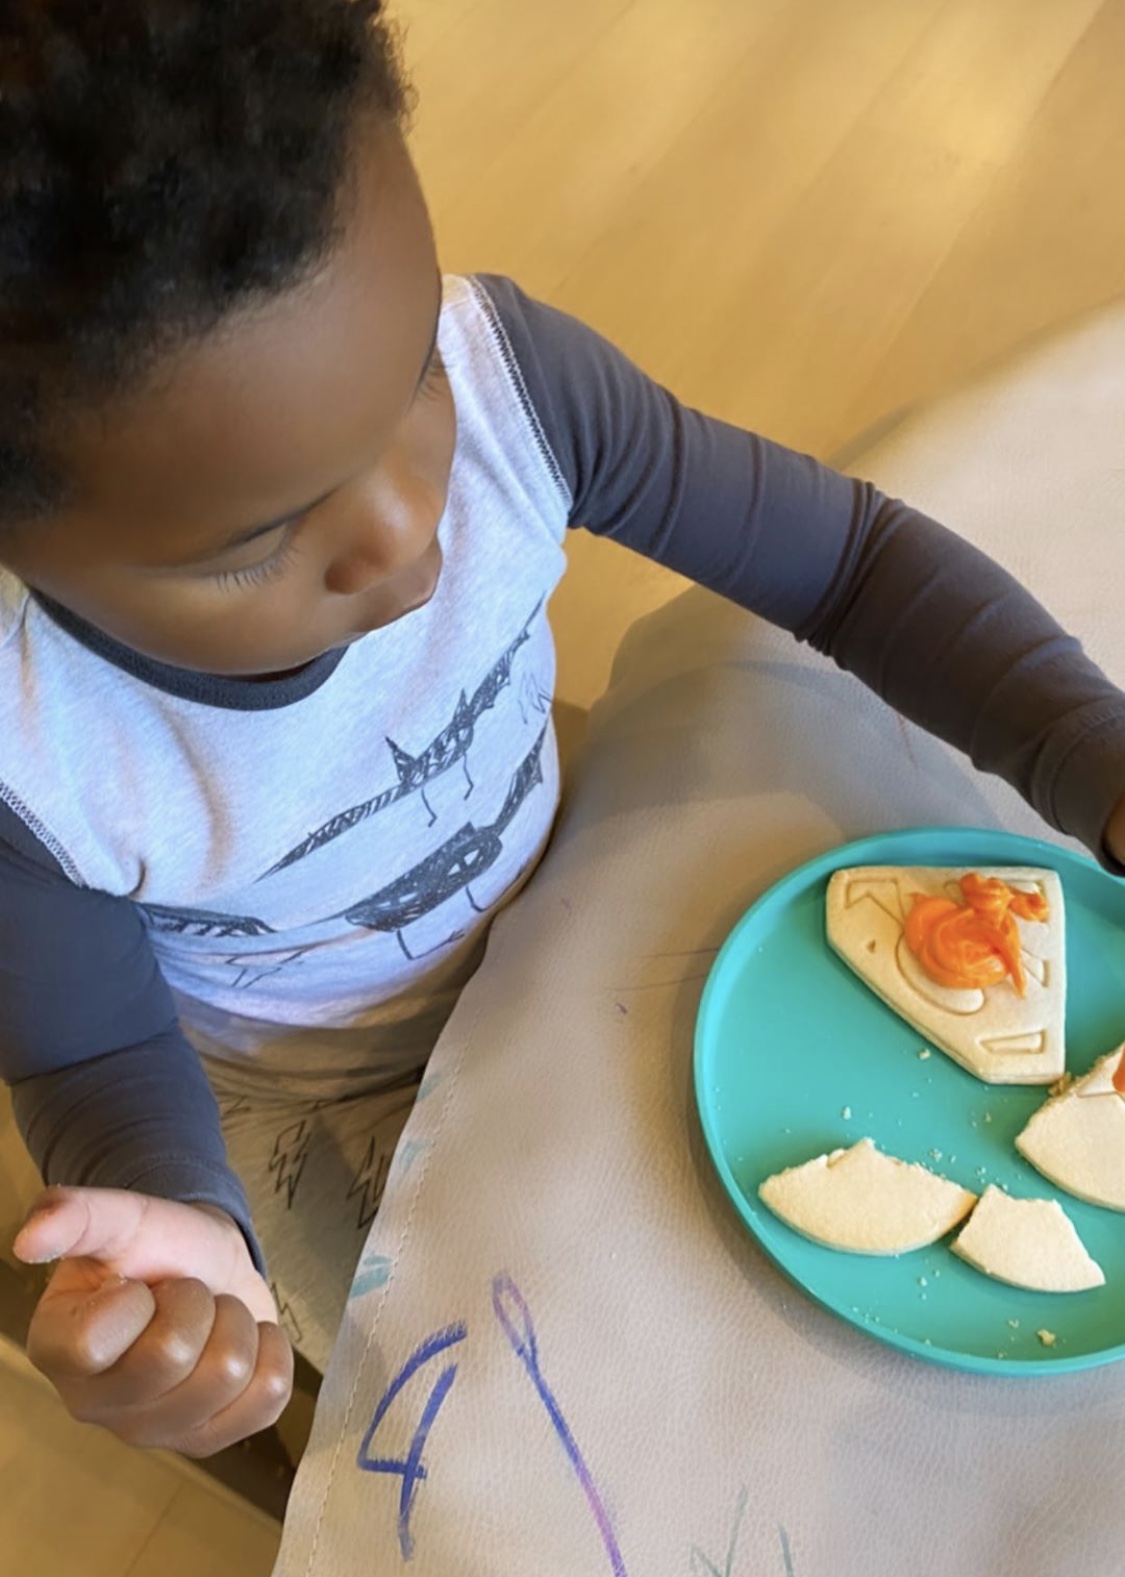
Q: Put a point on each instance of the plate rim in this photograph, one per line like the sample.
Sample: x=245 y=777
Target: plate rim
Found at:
x=838 y=857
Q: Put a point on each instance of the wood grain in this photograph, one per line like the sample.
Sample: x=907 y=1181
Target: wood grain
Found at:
x=799 y=215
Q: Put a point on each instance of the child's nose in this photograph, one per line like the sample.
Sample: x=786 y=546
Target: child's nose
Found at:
x=388 y=528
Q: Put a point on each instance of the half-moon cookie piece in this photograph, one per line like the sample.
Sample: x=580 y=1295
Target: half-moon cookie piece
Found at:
x=1077 y=1138
x=1028 y=1242
x=865 y=1202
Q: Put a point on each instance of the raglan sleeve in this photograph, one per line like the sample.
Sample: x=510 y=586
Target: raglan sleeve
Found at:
x=106 y=1090
x=934 y=626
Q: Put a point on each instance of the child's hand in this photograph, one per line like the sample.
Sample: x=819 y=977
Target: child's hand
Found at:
x=155 y=1323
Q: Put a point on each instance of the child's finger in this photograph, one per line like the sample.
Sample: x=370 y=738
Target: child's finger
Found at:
x=160 y=1359
x=96 y=1223
x=144 y=1239
x=232 y=1364
x=260 y=1404
x=79 y=1333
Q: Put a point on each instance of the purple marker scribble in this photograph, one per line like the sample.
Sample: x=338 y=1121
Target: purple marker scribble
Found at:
x=410 y=1467
x=515 y=1319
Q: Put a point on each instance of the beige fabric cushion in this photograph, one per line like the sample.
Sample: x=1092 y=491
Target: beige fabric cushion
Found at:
x=552 y=1227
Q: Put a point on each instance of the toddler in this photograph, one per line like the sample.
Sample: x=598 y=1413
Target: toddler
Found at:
x=281 y=510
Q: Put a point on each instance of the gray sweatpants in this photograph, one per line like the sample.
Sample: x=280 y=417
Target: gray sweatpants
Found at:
x=314 y=1172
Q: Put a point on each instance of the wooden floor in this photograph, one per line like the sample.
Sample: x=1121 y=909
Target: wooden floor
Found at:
x=75 y=1502
x=801 y=215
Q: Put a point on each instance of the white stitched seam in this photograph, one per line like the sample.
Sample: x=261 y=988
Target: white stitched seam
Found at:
x=350 y=1405
x=46 y=838
x=515 y=376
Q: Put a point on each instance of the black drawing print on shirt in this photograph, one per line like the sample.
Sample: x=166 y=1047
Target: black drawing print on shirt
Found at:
x=448 y=870
x=533 y=697
x=369 y=1182
x=452 y=867
x=253 y=967
x=290 y=1152
x=448 y=748
x=202 y=922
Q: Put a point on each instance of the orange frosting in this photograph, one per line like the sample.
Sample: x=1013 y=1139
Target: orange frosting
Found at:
x=975 y=943
x=1119 y=1076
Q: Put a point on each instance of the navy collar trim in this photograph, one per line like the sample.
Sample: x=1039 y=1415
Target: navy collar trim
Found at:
x=233 y=694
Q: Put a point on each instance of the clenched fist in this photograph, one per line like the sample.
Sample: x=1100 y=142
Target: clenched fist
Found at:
x=155 y=1323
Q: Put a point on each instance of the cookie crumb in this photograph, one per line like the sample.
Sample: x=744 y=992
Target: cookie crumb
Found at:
x=846 y=1113
x=924 y=1054
x=1015 y=1324
x=1048 y=1338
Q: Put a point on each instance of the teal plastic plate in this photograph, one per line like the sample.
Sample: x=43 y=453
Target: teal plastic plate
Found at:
x=794 y=1056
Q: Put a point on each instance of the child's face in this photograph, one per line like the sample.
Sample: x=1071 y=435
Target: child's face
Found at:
x=317 y=406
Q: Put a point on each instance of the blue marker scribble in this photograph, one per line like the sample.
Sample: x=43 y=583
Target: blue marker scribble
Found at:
x=374 y=1271
x=408 y=1152
x=786 y=1555
x=428 y=1085
x=515 y=1319
x=411 y=1467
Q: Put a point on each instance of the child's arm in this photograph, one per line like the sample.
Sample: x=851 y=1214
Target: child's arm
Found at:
x=107 y=1092
x=157 y=1322
x=936 y=628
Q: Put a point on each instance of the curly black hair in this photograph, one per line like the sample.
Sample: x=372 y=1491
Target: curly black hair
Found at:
x=162 y=162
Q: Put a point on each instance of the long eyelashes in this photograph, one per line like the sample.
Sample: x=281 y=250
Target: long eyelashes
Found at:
x=258 y=574
x=434 y=381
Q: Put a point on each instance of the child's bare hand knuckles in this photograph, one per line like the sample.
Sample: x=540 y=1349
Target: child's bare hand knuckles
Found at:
x=76 y=1338
x=236 y=1383
x=181 y=1326
x=228 y=1361
x=162 y=1357
x=275 y=1365
x=259 y=1406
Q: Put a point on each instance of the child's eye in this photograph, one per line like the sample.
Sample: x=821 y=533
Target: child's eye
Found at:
x=258 y=574
x=433 y=381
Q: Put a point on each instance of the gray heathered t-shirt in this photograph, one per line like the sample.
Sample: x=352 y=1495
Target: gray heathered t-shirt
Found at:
x=301 y=872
